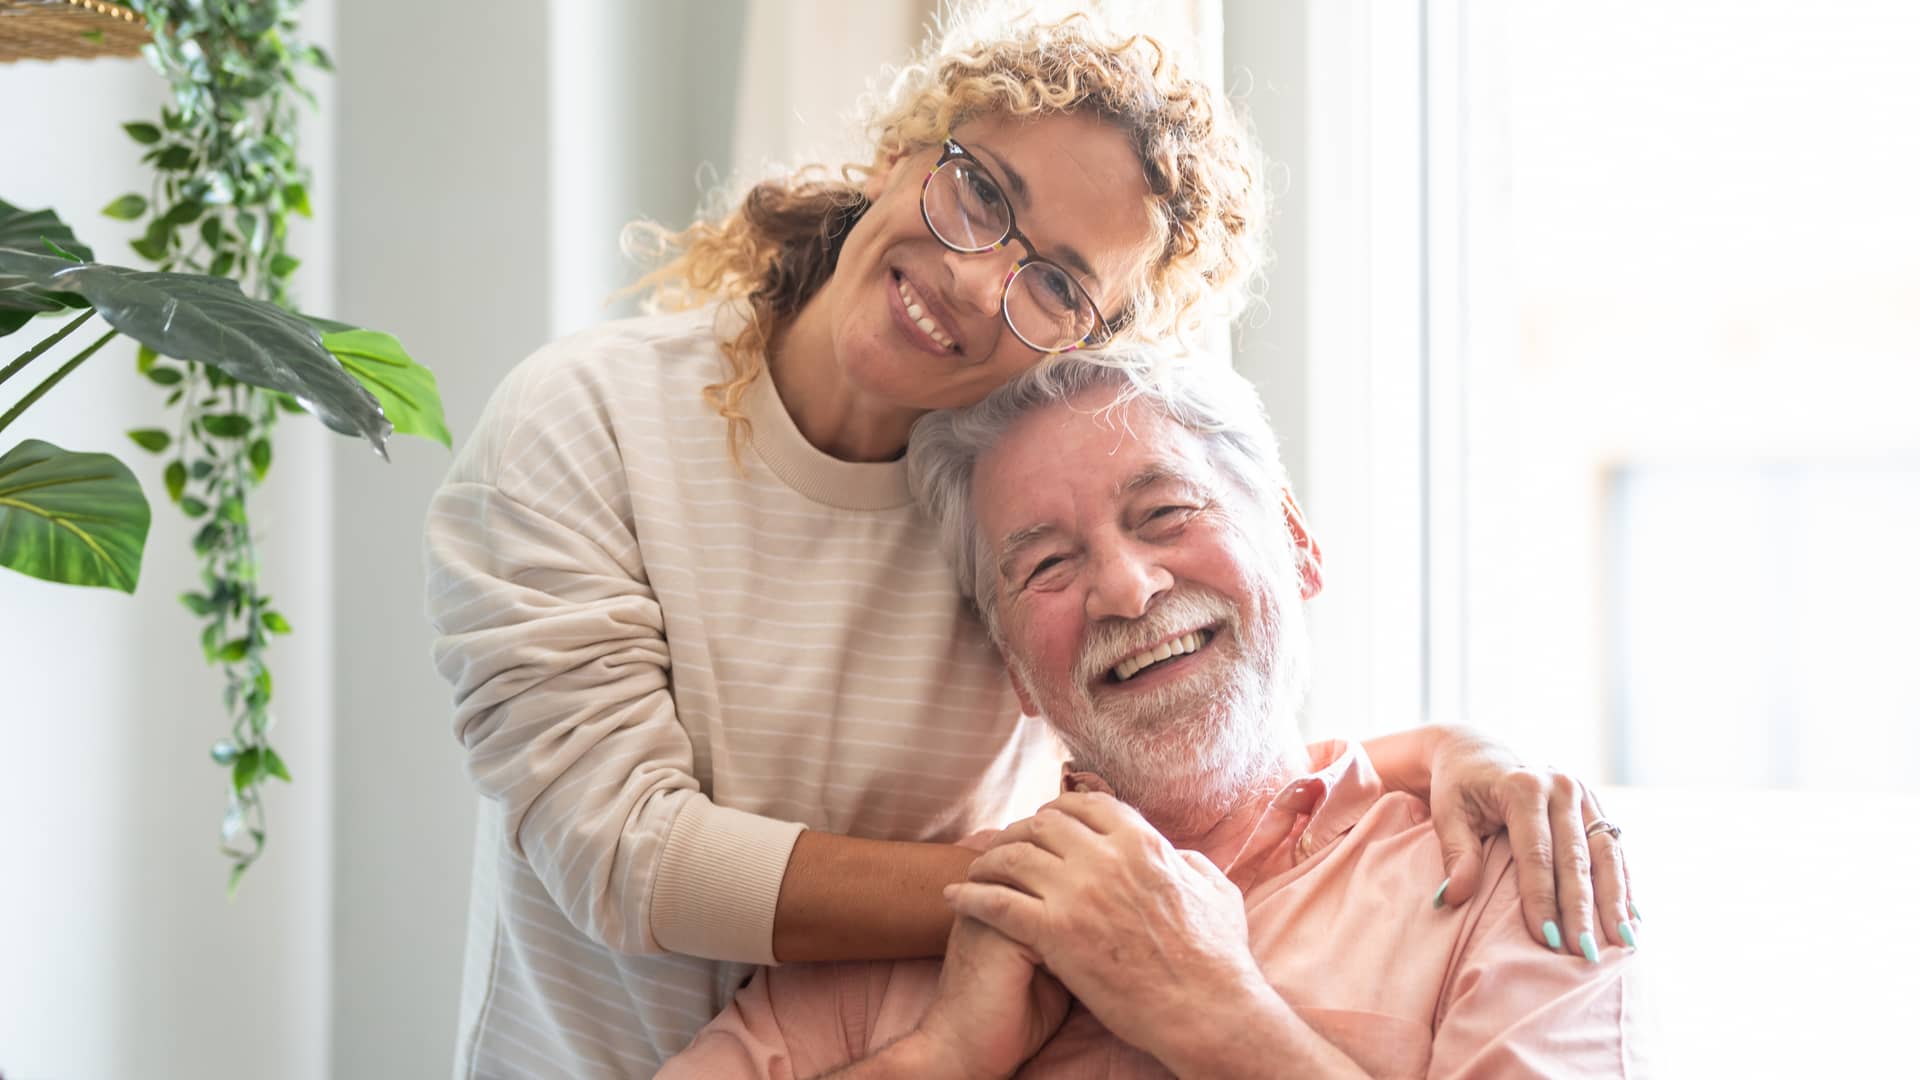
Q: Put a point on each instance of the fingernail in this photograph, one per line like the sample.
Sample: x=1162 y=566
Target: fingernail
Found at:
x=1626 y=935
x=1635 y=912
x=1587 y=947
x=1552 y=934
x=1440 y=892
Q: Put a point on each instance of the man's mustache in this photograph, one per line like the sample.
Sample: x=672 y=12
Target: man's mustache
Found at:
x=1183 y=609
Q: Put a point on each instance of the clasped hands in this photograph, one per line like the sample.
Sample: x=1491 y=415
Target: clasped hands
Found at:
x=1086 y=897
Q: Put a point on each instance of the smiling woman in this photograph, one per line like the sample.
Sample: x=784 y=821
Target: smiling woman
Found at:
x=708 y=663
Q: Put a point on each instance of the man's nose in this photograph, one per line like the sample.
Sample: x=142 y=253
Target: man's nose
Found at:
x=1125 y=585
x=979 y=279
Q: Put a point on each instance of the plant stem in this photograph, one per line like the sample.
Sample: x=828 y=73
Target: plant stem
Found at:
x=32 y=354
x=40 y=391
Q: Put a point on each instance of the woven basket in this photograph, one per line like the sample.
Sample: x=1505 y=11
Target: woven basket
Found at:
x=56 y=29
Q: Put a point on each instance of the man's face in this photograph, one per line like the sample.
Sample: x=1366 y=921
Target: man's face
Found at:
x=1143 y=600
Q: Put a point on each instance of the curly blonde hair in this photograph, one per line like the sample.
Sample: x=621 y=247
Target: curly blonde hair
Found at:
x=781 y=242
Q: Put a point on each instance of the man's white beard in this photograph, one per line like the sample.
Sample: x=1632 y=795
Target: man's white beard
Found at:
x=1190 y=751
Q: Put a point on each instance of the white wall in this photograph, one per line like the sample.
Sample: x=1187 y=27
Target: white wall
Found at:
x=486 y=165
x=121 y=954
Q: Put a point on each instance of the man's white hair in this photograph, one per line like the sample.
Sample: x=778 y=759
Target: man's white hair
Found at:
x=1211 y=400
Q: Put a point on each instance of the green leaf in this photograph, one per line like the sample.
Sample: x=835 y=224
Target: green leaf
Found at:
x=408 y=392
x=233 y=878
x=174 y=157
x=246 y=768
x=233 y=510
x=277 y=767
x=145 y=134
x=207 y=537
x=193 y=508
x=143 y=360
x=126 y=207
x=202 y=469
x=283 y=264
x=22 y=297
x=199 y=604
x=77 y=519
x=276 y=622
x=295 y=198
x=165 y=376
x=210 y=232
x=184 y=213
x=210 y=320
x=222 y=264
x=151 y=250
x=60 y=251
x=226 y=425
x=260 y=454
x=234 y=651
x=176 y=480
x=152 y=439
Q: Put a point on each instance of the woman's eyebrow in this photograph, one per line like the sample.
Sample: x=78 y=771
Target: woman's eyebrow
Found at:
x=1017 y=187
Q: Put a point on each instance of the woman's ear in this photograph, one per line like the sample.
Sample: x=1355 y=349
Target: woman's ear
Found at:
x=880 y=176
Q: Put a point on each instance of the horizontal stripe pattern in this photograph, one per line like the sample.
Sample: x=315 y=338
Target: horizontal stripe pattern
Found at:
x=663 y=665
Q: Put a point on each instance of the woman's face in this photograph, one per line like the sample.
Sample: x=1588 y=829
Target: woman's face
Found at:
x=1078 y=194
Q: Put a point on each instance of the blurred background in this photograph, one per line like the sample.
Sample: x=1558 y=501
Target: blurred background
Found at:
x=1592 y=336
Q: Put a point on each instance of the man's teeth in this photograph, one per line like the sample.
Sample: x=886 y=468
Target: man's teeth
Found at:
x=919 y=316
x=1180 y=646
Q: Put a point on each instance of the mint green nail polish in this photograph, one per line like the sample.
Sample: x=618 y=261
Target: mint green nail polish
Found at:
x=1626 y=935
x=1587 y=947
x=1634 y=911
x=1440 y=892
x=1552 y=934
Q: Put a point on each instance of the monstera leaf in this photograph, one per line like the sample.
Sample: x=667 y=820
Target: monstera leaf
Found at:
x=78 y=519
x=20 y=299
x=209 y=320
x=408 y=392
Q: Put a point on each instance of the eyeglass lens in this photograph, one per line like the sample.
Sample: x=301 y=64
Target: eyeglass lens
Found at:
x=1043 y=303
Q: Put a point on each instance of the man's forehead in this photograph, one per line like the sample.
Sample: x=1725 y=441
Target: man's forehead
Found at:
x=1066 y=458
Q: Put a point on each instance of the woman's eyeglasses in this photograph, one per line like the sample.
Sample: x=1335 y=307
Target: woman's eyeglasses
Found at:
x=1045 y=306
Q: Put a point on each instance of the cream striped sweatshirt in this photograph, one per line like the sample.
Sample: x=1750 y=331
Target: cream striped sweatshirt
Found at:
x=662 y=670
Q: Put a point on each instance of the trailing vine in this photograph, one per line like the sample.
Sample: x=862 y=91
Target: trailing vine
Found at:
x=226 y=177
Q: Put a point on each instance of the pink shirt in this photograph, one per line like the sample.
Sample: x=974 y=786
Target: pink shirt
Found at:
x=1339 y=912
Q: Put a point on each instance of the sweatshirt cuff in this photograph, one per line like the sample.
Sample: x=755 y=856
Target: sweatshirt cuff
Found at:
x=718 y=882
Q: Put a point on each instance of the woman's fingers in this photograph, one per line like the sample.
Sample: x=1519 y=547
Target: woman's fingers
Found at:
x=1573 y=865
x=1527 y=799
x=1610 y=894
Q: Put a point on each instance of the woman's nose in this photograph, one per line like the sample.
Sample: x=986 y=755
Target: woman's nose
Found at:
x=980 y=279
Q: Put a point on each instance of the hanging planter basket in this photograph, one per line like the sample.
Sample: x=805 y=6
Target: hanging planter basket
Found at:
x=60 y=29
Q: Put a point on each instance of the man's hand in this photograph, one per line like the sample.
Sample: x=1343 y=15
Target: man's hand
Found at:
x=995 y=1008
x=1149 y=938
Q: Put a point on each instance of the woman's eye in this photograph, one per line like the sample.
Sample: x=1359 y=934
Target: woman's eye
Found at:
x=983 y=195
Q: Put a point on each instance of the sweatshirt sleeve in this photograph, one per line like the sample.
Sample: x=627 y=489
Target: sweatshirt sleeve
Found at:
x=555 y=648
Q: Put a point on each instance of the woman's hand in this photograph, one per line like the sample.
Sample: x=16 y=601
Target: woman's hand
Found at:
x=1574 y=887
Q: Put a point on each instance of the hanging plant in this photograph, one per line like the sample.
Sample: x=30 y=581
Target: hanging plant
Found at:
x=219 y=336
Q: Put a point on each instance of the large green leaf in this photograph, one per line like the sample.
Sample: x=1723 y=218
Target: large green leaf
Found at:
x=79 y=519
x=20 y=299
x=407 y=390
x=208 y=319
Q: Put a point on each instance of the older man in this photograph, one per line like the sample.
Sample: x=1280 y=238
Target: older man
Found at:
x=1217 y=900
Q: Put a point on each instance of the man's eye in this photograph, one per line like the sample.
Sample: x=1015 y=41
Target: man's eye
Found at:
x=1163 y=512
x=1043 y=566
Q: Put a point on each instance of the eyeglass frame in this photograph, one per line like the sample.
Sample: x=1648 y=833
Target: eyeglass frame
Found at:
x=951 y=151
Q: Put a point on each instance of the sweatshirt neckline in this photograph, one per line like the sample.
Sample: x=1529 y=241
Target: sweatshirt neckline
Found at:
x=848 y=485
